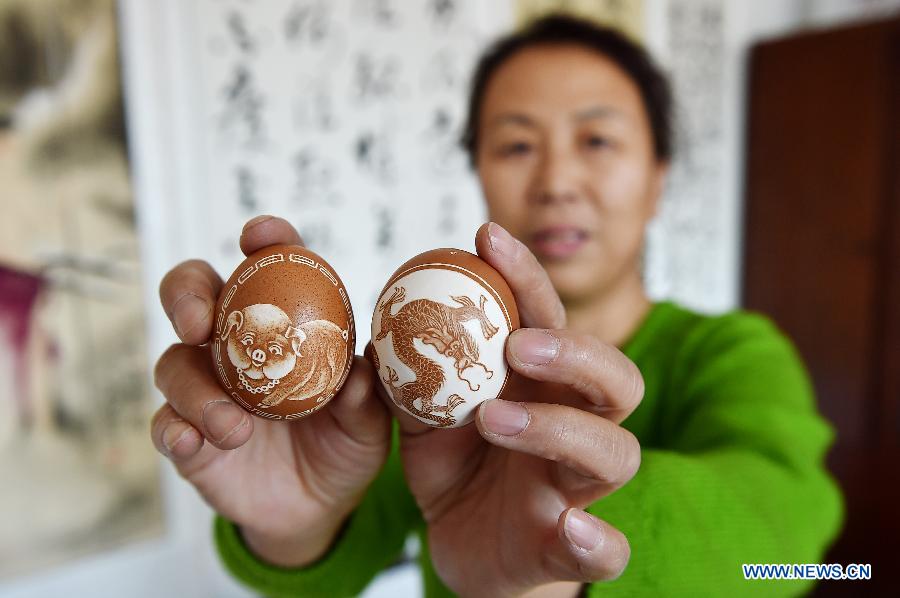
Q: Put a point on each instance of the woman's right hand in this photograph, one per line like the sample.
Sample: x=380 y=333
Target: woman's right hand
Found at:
x=289 y=486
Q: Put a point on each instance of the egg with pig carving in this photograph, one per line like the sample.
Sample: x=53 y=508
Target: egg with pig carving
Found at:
x=439 y=333
x=283 y=340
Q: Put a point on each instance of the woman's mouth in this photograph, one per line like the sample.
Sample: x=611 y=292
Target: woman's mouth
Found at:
x=558 y=241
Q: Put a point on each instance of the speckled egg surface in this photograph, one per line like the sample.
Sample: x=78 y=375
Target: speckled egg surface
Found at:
x=438 y=336
x=283 y=338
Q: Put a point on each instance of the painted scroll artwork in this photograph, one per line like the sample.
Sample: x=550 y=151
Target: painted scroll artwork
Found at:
x=79 y=475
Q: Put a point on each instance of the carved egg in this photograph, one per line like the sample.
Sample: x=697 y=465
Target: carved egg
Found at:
x=439 y=333
x=283 y=338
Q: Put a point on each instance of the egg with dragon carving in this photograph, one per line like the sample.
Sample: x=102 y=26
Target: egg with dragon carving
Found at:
x=439 y=334
x=283 y=337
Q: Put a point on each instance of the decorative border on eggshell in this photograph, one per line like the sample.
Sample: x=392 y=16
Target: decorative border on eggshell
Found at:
x=278 y=258
x=471 y=274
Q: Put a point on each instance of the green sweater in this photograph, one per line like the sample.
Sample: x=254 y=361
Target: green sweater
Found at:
x=732 y=472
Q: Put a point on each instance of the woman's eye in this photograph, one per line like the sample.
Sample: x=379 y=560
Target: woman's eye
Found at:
x=519 y=148
x=246 y=341
x=275 y=350
x=596 y=141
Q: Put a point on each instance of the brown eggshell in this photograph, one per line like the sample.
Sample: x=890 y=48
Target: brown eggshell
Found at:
x=284 y=339
x=439 y=333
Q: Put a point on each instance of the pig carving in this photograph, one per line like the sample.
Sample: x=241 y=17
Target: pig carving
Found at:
x=275 y=358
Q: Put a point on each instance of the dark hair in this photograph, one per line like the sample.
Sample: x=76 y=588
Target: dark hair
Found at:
x=561 y=30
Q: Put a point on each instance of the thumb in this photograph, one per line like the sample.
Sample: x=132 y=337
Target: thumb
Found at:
x=585 y=549
x=357 y=408
x=538 y=302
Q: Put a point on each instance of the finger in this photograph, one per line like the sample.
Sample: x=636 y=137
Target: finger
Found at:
x=435 y=458
x=585 y=549
x=538 y=302
x=408 y=424
x=184 y=375
x=600 y=372
x=263 y=231
x=188 y=294
x=357 y=409
x=173 y=436
x=593 y=456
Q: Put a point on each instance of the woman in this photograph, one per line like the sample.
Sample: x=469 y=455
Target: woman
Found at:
x=556 y=489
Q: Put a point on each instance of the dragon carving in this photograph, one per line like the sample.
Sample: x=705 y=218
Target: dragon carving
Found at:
x=440 y=326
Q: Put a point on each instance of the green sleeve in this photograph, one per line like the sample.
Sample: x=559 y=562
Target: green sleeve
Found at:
x=738 y=476
x=372 y=539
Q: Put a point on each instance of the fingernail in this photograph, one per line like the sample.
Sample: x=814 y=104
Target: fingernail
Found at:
x=222 y=418
x=174 y=433
x=582 y=529
x=504 y=417
x=501 y=241
x=189 y=311
x=533 y=346
x=258 y=219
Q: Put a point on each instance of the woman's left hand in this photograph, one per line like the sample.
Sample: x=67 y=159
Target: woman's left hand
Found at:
x=503 y=499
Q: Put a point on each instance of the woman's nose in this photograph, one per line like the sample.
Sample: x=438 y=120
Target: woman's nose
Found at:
x=557 y=179
x=258 y=355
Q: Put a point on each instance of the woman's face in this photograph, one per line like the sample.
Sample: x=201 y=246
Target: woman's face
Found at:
x=566 y=162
